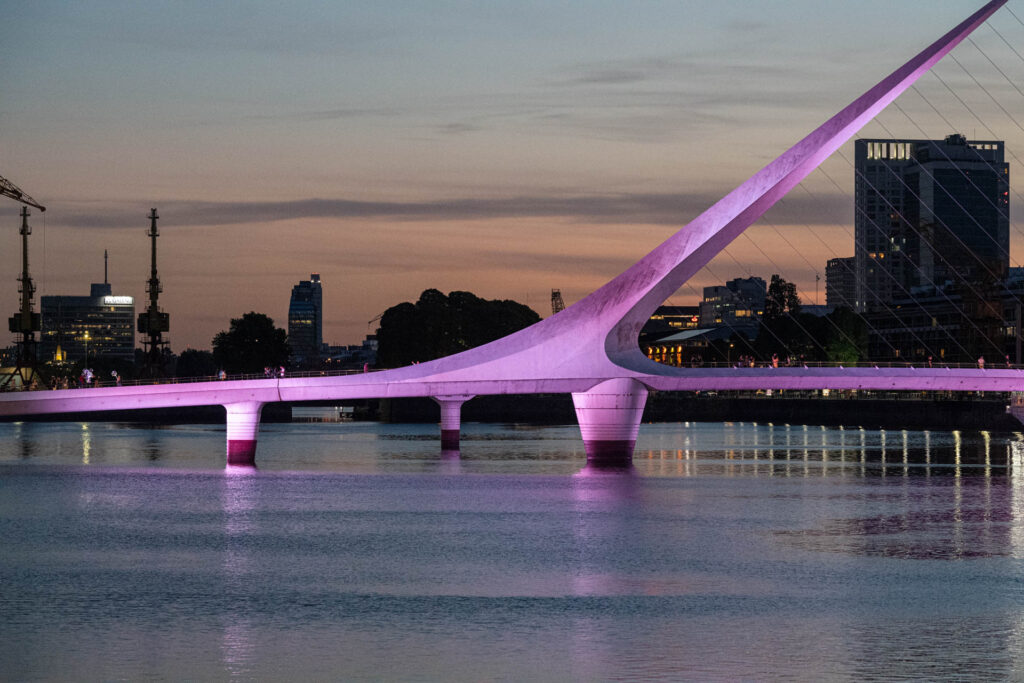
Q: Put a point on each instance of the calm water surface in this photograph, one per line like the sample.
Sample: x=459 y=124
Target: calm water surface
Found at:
x=359 y=551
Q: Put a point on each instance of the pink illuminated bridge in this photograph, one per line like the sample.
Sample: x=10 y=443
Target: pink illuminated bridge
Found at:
x=590 y=349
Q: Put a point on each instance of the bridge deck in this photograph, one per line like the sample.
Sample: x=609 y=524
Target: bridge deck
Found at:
x=382 y=385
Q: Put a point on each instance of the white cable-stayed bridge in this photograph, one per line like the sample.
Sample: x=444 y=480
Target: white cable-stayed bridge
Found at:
x=590 y=349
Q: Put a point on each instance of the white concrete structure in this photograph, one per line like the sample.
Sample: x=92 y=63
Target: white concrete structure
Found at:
x=589 y=349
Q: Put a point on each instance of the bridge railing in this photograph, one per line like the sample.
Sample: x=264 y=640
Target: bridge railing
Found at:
x=736 y=365
x=100 y=381
x=847 y=394
x=760 y=364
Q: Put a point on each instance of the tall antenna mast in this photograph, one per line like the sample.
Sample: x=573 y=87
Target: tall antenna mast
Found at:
x=153 y=323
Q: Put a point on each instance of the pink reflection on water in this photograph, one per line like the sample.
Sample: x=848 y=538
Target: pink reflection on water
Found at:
x=451 y=462
x=240 y=501
x=602 y=498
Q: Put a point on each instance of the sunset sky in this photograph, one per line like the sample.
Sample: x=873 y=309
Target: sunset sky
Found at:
x=505 y=148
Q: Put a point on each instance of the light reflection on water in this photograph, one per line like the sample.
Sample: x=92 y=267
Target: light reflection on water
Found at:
x=728 y=551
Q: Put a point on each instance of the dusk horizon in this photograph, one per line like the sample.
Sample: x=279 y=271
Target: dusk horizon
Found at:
x=502 y=151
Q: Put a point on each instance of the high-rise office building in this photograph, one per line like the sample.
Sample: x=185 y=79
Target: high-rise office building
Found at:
x=841 y=282
x=305 y=322
x=929 y=214
x=99 y=325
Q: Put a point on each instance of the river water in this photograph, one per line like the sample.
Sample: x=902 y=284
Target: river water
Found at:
x=358 y=551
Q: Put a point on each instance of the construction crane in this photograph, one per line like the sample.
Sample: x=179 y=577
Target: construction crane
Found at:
x=9 y=189
x=25 y=322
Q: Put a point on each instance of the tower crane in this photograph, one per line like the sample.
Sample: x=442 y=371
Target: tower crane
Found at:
x=9 y=189
x=25 y=322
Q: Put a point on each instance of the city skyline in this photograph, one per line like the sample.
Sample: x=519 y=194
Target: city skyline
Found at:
x=500 y=151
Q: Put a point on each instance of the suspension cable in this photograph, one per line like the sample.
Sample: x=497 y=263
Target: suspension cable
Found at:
x=996 y=67
x=888 y=273
x=789 y=351
x=1003 y=211
x=850 y=304
x=1010 y=10
x=963 y=244
x=984 y=125
x=776 y=266
x=1005 y=41
x=985 y=90
x=736 y=331
x=938 y=290
x=976 y=152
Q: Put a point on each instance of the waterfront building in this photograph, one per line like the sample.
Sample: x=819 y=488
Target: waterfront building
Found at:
x=305 y=322
x=352 y=356
x=948 y=324
x=928 y=213
x=99 y=325
x=688 y=347
x=841 y=282
x=667 y=321
x=678 y=317
x=738 y=305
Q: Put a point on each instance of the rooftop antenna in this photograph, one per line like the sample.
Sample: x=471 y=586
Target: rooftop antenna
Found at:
x=105 y=267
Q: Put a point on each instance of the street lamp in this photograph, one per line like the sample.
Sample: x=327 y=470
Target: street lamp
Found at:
x=85 y=337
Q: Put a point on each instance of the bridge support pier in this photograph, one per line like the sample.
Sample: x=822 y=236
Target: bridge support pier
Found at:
x=243 y=425
x=451 y=419
x=609 y=415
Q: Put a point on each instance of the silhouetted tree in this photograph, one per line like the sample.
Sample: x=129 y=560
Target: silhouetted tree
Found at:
x=439 y=325
x=195 y=363
x=848 y=338
x=251 y=344
x=781 y=298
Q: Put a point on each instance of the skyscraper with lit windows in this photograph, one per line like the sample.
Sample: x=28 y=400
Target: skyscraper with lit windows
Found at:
x=305 y=322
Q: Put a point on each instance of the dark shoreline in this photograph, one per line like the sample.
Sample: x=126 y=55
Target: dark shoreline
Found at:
x=909 y=412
